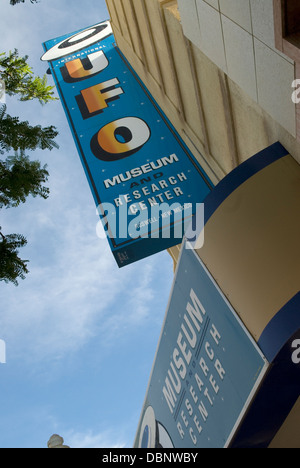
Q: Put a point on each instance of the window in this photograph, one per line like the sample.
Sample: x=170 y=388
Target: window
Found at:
x=287 y=27
x=287 y=38
x=292 y=17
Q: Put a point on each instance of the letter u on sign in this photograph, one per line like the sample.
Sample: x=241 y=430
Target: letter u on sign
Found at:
x=81 y=69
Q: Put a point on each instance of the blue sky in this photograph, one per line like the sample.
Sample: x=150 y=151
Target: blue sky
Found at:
x=81 y=334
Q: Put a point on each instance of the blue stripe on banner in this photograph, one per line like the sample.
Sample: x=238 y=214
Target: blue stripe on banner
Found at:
x=280 y=329
x=281 y=388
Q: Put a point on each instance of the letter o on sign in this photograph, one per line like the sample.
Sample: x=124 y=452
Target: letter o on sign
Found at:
x=120 y=139
x=78 y=41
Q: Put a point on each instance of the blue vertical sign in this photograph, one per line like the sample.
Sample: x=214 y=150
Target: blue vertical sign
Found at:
x=207 y=367
x=145 y=181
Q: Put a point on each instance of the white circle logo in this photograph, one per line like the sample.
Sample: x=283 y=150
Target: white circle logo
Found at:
x=78 y=41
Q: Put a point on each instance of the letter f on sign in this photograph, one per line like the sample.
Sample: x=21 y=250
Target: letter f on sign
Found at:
x=95 y=99
x=2 y=352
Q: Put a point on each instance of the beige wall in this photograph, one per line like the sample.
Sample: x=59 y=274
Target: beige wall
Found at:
x=222 y=124
x=225 y=88
x=239 y=36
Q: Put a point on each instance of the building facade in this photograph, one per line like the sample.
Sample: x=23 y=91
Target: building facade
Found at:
x=225 y=74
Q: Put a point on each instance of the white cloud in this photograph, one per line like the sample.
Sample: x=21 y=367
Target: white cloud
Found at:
x=37 y=23
x=89 y=439
x=76 y=305
x=74 y=289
